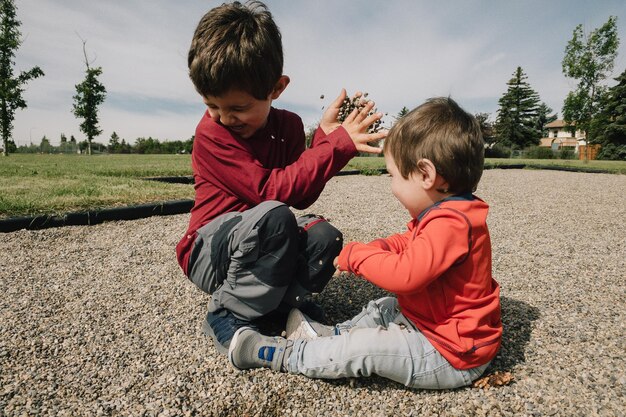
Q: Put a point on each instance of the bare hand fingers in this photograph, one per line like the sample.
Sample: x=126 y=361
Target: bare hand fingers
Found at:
x=364 y=147
x=339 y=100
x=359 y=114
x=366 y=109
x=364 y=138
x=369 y=120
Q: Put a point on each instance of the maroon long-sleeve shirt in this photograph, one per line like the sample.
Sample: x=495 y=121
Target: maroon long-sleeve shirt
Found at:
x=235 y=174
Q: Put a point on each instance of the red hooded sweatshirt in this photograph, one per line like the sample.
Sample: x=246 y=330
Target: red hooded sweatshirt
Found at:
x=440 y=271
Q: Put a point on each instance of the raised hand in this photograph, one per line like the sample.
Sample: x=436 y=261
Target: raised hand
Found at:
x=330 y=120
x=357 y=124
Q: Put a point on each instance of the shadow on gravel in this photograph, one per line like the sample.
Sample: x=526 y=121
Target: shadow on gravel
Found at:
x=517 y=320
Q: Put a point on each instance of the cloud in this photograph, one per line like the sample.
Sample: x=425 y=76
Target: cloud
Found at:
x=401 y=52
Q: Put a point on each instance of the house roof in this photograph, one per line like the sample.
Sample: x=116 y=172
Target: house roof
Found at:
x=566 y=141
x=545 y=142
x=558 y=123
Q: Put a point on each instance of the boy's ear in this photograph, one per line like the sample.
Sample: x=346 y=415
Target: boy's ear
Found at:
x=280 y=86
x=428 y=172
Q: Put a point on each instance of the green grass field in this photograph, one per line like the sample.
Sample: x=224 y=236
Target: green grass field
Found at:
x=55 y=184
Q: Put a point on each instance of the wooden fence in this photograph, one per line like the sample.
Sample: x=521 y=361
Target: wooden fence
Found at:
x=588 y=152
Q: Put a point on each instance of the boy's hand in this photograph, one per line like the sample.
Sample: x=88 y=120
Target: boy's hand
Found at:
x=357 y=123
x=329 y=119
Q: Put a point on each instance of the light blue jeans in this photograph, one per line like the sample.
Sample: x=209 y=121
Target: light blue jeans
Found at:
x=380 y=340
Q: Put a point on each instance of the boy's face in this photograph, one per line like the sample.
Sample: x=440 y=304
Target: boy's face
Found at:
x=239 y=112
x=242 y=113
x=409 y=191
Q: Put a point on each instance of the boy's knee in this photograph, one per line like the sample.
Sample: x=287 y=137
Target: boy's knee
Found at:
x=278 y=247
x=279 y=220
x=324 y=237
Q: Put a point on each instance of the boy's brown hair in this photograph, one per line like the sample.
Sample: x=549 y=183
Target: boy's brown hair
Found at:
x=441 y=131
x=236 y=46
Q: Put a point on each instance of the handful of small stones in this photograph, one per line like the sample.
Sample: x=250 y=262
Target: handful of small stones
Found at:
x=357 y=102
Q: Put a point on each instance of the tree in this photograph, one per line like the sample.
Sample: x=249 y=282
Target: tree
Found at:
x=589 y=59
x=11 y=146
x=543 y=118
x=188 y=144
x=89 y=95
x=609 y=125
x=114 y=143
x=11 y=88
x=403 y=112
x=67 y=146
x=125 y=147
x=486 y=127
x=517 y=114
x=44 y=146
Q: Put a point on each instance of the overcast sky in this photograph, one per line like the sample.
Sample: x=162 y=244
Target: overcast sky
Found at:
x=400 y=51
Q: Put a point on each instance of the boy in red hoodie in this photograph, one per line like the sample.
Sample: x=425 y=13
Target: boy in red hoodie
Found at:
x=243 y=245
x=443 y=327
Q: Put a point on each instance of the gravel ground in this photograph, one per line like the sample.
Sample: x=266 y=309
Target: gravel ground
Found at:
x=100 y=320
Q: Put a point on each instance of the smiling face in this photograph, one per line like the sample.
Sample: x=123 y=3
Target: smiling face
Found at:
x=240 y=112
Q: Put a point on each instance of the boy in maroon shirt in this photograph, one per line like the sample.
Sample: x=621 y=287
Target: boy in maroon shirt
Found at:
x=243 y=244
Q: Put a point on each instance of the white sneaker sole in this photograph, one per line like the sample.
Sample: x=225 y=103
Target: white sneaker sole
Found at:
x=233 y=345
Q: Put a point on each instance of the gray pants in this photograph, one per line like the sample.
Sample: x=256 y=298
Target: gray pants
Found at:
x=380 y=340
x=254 y=261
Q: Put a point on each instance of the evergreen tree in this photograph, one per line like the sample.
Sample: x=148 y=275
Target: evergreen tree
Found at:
x=114 y=143
x=589 y=59
x=11 y=88
x=125 y=147
x=517 y=114
x=403 y=112
x=89 y=95
x=609 y=127
x=543 y=118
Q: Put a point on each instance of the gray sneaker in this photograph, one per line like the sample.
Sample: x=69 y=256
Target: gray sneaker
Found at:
x=250 y=349
x=301 y=326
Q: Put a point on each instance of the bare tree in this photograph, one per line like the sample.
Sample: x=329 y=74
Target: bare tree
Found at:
x=89 y=95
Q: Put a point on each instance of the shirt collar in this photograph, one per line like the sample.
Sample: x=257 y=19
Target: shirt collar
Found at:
x=456 y=197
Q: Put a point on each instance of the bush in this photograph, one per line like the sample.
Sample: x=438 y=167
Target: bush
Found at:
x=536 y=152
x=497 y=151
x=612 y=152
x=567 y=154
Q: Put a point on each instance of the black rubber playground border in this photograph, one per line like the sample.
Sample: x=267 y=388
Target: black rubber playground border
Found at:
x=91 y=217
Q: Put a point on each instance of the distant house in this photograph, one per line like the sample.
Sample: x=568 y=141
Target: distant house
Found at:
x=560 y=137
